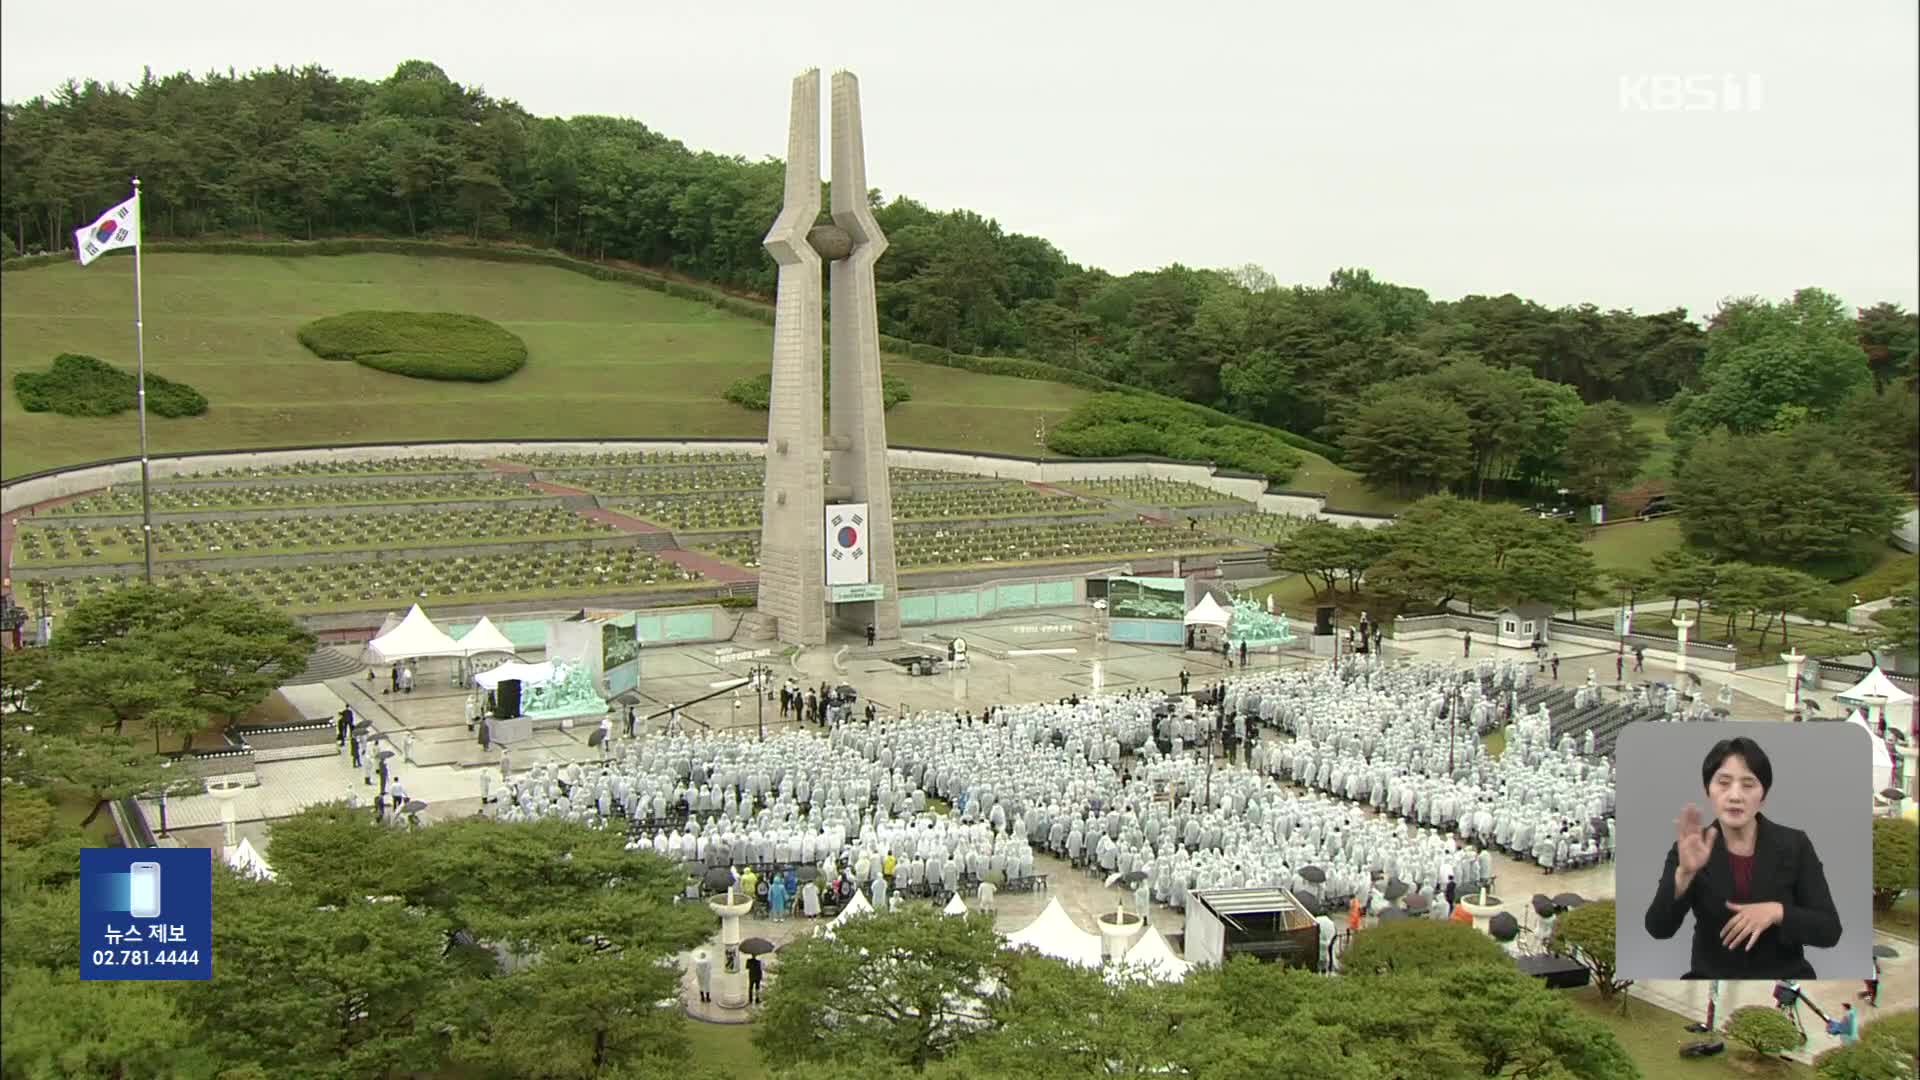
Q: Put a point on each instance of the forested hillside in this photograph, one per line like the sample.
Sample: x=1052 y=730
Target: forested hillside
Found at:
x=1473 y=391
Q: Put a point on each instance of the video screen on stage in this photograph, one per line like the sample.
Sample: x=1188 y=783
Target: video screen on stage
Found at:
x=618 y=645
x=1147 y=598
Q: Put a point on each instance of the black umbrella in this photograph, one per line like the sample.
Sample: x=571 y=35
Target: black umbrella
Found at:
x=1133 y=877
x=1569 y=900
x=1892 y=794
x=756 y=946
x=1395 y=889
x=1418 y=903
x=385 y=754
x=1313 y=874
x=597 y=736
x=807 y=873
x=719 y=878
x=1886 y=952
x=1391 y=914
x=1503 y=927
x=1543 y=905
x=1810 y=704
x=413 y=806
x=1309 y=900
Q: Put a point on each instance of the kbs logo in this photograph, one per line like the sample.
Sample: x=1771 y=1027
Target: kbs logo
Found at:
x=1691 y=93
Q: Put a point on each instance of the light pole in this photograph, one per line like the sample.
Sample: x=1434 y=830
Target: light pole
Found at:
x=760 y=676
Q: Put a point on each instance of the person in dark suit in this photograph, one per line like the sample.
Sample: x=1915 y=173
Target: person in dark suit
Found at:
x=1756 y=888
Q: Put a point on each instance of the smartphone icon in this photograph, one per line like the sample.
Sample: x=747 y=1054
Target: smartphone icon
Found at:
x=144 y=895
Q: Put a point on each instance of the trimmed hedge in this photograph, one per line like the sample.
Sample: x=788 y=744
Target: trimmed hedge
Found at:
x=84 y=386
x=420 y=344
x=760 y=311
x=756 y=393
x=1114 y=425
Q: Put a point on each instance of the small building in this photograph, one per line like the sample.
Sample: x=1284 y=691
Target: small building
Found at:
x=1266 y=923
x=1519 y=626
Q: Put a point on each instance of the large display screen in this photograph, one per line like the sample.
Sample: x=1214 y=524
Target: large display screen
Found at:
x=618 y=645
x=1147 y=598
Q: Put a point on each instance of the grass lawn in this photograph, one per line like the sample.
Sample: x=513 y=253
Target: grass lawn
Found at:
x=1345 y=490
x=727 y=1047
x=1633 y=545
x=605 y=360
x=1652 y=420
x=1820 y=642
x=1894 y=571
x=1904 y=920
x=1652 y=1036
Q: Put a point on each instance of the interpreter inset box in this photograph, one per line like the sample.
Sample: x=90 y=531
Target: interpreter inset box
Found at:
x=1744 y=851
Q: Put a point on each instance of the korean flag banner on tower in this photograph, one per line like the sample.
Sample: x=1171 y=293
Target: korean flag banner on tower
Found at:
x=117 y=228
x=847 y=544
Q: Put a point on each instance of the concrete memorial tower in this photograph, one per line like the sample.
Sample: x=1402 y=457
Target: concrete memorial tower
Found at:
x=826 y=548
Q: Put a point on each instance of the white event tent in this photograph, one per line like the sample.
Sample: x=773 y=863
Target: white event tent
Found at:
x=1208 y=612
x=1154 y=958
x=1055 y=934
x=247 y=860
x=1882 y=757
x=485 y=637
x=955 y=906
x=855 y=908
x=1875 y=687
x=415 y=637
x=528 y=674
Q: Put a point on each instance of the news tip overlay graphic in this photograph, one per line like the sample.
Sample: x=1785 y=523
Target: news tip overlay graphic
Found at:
x=146 y=914
x=1801 y=905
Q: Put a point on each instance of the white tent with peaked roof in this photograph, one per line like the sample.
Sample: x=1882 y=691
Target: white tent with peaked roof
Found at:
x=1876 y=685
x=1152 y=956
x=416 y=636
x=1208 y=612
x=955 y=906
x=1055 y=934
x=387 y=626
x=246 y=859
x=855 y=908
x=1882 y=757
x=485 y=637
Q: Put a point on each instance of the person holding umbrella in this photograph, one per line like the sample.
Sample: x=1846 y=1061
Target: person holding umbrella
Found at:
x=755 y=972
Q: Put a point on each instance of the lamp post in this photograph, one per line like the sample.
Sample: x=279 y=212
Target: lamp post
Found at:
x=760 y=676
x=168 y=764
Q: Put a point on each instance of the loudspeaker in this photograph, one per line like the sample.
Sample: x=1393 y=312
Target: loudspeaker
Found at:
x=1323 y=620
x=507 y=699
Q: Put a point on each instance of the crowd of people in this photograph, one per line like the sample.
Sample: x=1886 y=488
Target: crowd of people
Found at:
x=1118 y=784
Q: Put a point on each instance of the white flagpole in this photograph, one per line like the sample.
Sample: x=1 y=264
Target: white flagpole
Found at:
x=140 y=361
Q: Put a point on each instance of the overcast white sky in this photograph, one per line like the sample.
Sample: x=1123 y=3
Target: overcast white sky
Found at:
x=1464 y=147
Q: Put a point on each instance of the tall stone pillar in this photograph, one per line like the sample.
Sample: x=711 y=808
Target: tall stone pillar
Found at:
x=794 y=595
x=1681 y=625
x=1790 y=701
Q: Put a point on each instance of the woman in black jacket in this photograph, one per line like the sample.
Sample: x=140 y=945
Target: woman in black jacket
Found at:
x=1756 y=888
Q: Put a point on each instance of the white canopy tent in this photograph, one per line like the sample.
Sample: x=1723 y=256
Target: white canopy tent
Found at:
x=1208 y=612
x=485 y=637
x=1882 y=757
x=415 y=637
x=955 y=906
x=1153 y=957
x=855 y=908
x=528 y=674
x=1055 y=934
x=387 y=626
x=247 y=860
x=1875 y=687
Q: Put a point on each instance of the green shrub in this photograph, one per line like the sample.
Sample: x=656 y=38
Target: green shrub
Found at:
x=84 y=386
x=1115 y=425
x=421 y=344
x=1762 y=1029
x=1896 y=859
x=1885 y=1051
x=756 y=393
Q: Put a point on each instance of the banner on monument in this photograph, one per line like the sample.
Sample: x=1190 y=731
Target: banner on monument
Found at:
x=847 y=594
x=847 y=544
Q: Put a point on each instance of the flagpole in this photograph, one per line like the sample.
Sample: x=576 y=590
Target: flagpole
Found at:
x=140 y=362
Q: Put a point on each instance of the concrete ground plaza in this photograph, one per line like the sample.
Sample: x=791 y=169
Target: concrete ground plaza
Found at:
x=1037 y=656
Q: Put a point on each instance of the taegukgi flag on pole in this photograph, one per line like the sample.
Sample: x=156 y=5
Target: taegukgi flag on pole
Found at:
x=117 y=228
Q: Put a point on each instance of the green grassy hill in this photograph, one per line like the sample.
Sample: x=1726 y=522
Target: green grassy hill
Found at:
x=606 y=359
